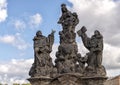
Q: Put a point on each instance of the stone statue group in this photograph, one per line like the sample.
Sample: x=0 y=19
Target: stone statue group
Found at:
x=68 y=60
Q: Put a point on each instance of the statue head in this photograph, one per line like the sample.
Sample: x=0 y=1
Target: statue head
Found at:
x=38 y=33
x=83 y=29
x=96 y=32
x=75 y=14
x=63 y=7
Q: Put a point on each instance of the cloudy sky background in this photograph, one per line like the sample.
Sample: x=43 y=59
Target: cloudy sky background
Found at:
x=20 y=19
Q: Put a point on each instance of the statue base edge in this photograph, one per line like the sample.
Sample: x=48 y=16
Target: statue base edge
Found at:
x=39 y=80
x=68 y=79
x=96 y=80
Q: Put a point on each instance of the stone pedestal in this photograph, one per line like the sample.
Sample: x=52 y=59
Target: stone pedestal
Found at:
x=94 y=80
x=67 y=79
x=39 y=81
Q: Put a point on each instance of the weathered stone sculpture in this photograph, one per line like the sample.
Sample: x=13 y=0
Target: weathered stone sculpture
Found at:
x=42 y=65
x=67 y=51
x=70 y=67
x=95 y=47
x=68 y=20
x=94 y=73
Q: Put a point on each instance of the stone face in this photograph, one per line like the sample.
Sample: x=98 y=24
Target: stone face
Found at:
x=70 y=67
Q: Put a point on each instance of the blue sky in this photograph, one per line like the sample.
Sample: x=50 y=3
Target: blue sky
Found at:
x=20 y=19
x=22 y=10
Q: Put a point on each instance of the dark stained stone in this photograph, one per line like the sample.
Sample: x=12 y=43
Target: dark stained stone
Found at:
x=70 y=67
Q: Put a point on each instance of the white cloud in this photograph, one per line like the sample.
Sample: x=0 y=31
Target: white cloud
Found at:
x=30 y=21
x=113 y=73
x=7 y=39
x=54 y=50
x=103 y=15
x=3 y=10
x=15 y=40
x=15 y=71
x=35 y=20
x=19 y=24
x=4 y=68
x=111 y=55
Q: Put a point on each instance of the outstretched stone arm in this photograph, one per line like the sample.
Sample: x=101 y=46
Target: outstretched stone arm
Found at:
x=85 y=38
x=50 y=39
